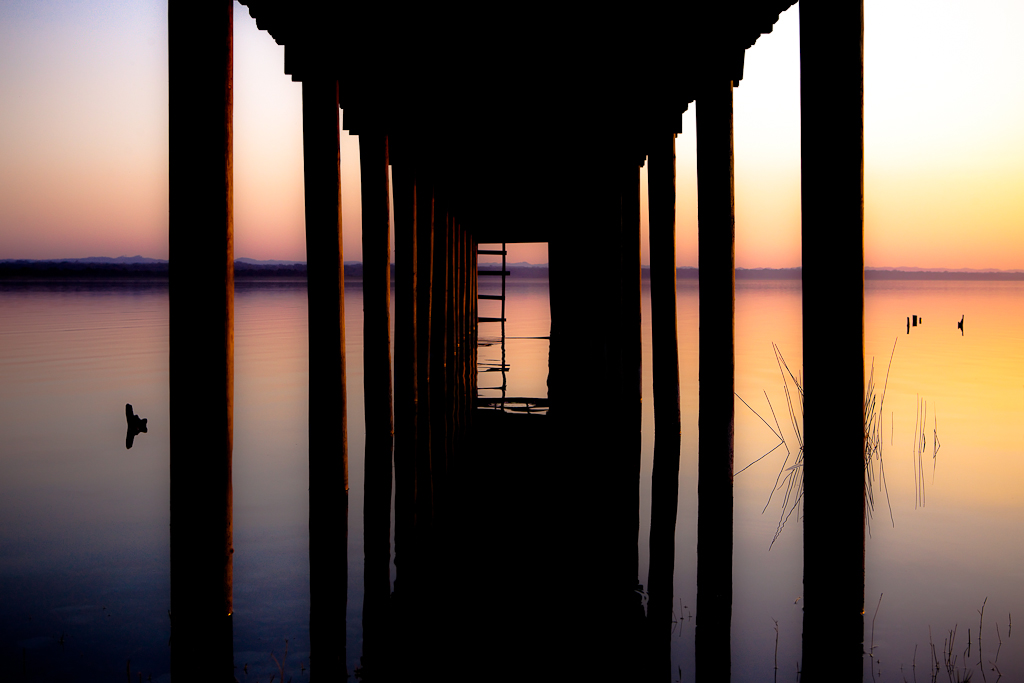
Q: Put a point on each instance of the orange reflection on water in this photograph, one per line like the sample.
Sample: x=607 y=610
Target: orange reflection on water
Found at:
x=973 y=384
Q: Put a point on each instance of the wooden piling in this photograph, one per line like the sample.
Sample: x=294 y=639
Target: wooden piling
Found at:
x=631 y=360
x=200 y=237
x=458 y=373
x=406 y=387
x=586 y=378
x=716 y=260
x=661 y=187
x=328 y=434
x=377 y=400
x=452 y=357
x=424 y=290
x=440 y=346
x=832 y=207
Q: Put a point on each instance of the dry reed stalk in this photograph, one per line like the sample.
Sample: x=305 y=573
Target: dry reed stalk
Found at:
x=790 y=477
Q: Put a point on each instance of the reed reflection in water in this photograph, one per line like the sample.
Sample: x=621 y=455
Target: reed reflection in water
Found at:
x=86 y=520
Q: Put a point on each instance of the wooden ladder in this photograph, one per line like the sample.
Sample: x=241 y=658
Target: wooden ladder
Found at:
x=503 y=273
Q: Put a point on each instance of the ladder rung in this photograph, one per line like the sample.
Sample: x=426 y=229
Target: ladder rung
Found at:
x=493 y=297
x=493 y=272
x=482 y=319
x=492 y=252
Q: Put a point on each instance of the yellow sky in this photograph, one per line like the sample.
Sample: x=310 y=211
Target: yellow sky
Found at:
x=83 y=138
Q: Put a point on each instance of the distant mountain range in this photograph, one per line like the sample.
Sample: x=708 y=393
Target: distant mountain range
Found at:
x=141 y=267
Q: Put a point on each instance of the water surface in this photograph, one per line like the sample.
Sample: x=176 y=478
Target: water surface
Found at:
x=84 y=522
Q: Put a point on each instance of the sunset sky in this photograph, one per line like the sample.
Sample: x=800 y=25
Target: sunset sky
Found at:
x=83 y=138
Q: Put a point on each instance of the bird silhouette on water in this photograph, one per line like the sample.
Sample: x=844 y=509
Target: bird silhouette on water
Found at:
x=960 y=325
x=136 y=425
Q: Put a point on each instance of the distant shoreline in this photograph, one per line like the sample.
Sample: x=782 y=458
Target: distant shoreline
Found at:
x=152 y=270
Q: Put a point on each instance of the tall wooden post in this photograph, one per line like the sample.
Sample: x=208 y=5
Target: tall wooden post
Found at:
x=201 y=335
x=440 y=346
x=597 y=487
x=453 y=356
x=716 y=260
x=328 y=425
x=832 y=144
x=424 y=338
x=406 y=377
x=631 y=355
x=661 y=187
x=377 y=398
x=458 y=364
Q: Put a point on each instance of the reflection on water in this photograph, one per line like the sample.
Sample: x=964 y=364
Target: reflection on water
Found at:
x=83 y=523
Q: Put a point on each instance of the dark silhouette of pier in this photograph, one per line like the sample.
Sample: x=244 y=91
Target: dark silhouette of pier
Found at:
x=512 y=126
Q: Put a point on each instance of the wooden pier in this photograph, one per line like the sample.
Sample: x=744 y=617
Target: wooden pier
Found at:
x=500 y=127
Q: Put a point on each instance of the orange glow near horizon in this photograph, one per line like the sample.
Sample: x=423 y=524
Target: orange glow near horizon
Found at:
x=83 y=149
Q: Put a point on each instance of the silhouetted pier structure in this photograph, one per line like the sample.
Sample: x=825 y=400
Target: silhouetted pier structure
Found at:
x=492 y=121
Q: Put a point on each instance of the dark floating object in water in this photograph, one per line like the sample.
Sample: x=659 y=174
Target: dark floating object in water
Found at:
x=960 y=325
x=915 y=321
x=136 y=425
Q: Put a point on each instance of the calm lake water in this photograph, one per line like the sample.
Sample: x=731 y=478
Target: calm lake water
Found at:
x=84 y=542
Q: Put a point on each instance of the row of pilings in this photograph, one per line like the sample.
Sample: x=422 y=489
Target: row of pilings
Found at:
x=502 y=573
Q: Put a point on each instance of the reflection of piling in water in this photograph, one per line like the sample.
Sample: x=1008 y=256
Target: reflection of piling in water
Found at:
x=328 y=433
x=201 y=342
x=377 y=401
x=831 y=63
x=716 y=257
x=661 y=177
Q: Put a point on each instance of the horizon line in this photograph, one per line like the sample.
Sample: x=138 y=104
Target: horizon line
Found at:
x=139 y=257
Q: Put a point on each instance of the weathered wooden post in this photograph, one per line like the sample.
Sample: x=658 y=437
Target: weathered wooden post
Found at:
x=716 y=260
x=406 y=375
x=832 y=149
x=424 y=338
x=587 y=375
x=453 y=356
x=661 y=188
x=200 y=237
x=457 y=361
x=631 y=359
x=328 y=433
x=440 y=346
x=377 y=399
x=631 y=350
